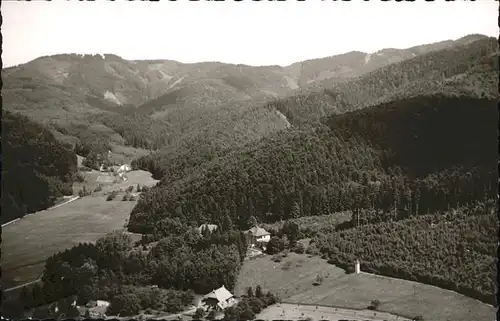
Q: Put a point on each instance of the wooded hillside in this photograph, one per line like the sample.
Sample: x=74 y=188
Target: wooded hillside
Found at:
x=36 y=169
x=416 y=155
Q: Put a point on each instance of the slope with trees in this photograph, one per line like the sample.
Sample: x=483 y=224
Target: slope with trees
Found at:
x=467 y=69
x=455 y=249
x=463 y=70
x=156 y=104
x=176 y=258
x=405 y=155
x=36 y=170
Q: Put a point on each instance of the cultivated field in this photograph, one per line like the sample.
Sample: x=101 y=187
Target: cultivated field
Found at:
x=356 y=291
x=285 y=311
x=28 y=242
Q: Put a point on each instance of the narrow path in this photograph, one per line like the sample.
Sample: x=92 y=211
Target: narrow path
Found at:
x=74 y=198
x=23 y=285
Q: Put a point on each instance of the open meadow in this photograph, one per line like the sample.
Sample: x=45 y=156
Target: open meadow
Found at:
x=293 y=283
x=287 y=311
x=28 y=242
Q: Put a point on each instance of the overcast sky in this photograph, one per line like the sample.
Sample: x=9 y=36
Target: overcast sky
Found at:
x=248 y=32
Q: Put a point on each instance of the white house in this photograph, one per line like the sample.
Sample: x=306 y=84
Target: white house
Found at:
x=257 y=235
x=102 y=303
x=218 y=299
x=124 y=168
x=211 y=227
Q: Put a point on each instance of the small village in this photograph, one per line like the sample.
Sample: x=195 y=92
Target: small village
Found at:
x=214 y=302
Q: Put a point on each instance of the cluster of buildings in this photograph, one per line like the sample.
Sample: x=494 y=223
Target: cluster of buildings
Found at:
x=220 y=299
x=119 y=170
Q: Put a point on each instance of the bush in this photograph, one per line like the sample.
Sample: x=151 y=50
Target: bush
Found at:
x=130 y=189
x=277 y=258
x=199 y=314
x=319 y=280
x=84 y=192
x=78 y=177
x=98 y=188
x=287 y=265
x=374 y=304
x=298 y=248
x=112 y=196
x=125 y=197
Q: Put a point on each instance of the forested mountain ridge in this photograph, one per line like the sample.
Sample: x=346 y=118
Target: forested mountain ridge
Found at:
x=156 y=103
x=466 y=70
x=470 y=69
x=36 y=168
x=355 y=159
x=318 y=73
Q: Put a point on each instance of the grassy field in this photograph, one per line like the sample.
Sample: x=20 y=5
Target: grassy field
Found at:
x=356 y=291
x=111 y=183
x=285 y=311
x=28 y=242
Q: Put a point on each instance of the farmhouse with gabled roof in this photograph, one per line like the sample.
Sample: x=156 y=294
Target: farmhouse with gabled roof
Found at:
x=257 y=235
x=218 y=299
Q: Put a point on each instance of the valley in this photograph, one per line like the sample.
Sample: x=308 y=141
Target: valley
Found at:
x=387 y=158
x=28 y=243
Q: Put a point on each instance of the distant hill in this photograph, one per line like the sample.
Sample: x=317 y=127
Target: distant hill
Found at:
x=36 y=168
x=152 y=104
x=470 y=69
x=329 y=71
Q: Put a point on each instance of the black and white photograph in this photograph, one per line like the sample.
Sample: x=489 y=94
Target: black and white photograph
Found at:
x=250 y=160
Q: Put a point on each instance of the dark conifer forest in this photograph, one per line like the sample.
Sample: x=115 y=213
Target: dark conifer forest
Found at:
x=415 y=156
x=36 y=168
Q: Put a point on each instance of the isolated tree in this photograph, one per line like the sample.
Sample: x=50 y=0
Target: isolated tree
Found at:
x=276 y=245
x=227 y=223
x=26 y=298
x=417 y=200
x=231 y=313
x=295 y=211
x=199 y=314
x=258 y=292
x=249 y=292
x=37 y=294
x=291 y=230
x=252 y=221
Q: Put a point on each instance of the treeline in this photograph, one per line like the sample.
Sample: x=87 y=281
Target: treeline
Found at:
x=116 y=270
x=414 y=156
x=36 y=169
x=455 y=250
